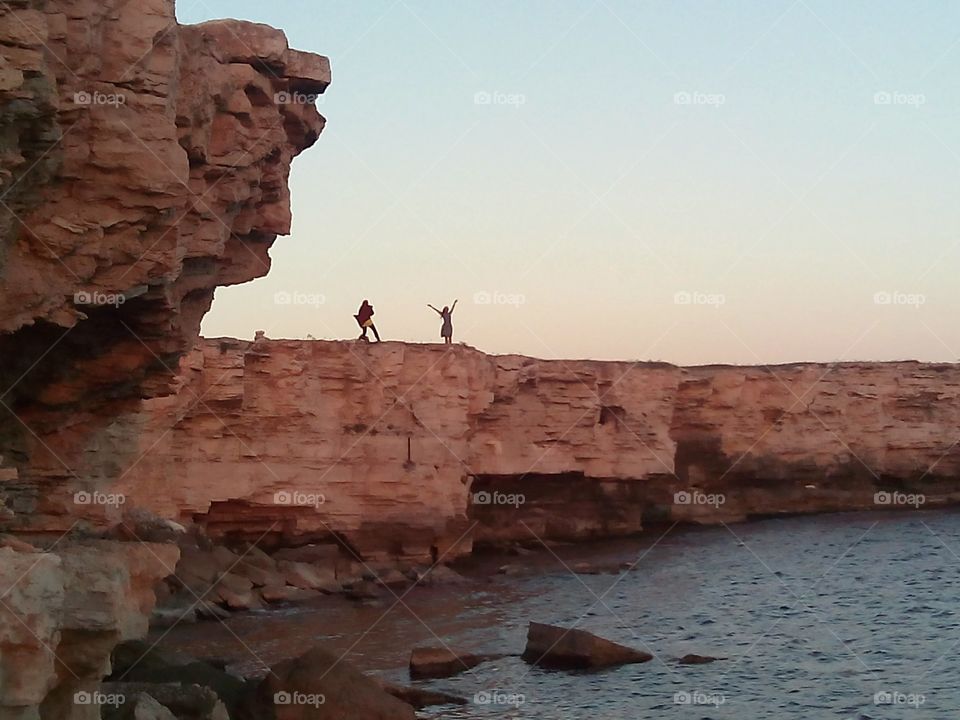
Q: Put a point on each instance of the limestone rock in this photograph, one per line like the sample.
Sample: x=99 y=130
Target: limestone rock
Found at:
x=144 y=163
x=319 y=685
x=560 y=648
x=421 y=697
x=308 y=577
x=639 y=440
x=439 y=662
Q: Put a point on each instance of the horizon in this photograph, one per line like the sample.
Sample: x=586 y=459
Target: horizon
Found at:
x=738 y=184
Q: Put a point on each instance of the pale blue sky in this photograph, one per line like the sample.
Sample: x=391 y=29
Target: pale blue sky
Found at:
x=786 y=187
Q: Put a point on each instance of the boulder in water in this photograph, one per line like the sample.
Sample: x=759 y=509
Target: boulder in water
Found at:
x=421 y=697
x=560 y=648
x=692 y=659
x=320 y=685
x=439 y=662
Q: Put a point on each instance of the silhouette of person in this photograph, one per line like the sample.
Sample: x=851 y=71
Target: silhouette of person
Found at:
x=446 y=329
x=364 y=318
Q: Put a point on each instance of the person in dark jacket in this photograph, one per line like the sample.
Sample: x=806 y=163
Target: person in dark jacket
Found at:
x=364 y=318
x=446 y=329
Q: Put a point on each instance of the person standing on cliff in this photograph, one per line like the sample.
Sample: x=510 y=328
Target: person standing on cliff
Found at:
x=364 y=318
x=446 y=329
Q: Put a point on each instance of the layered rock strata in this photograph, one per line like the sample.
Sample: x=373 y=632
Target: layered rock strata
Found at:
x=142 y=164
x=420 y=450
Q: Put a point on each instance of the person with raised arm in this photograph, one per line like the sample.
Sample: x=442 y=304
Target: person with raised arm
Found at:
x=446 y=329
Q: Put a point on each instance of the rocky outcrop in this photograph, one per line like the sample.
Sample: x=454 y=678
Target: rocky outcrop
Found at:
x=419 y=450
x=558 y=648
x=320 y=685
x=142 y=164
x=61 y=613
x=440 y=662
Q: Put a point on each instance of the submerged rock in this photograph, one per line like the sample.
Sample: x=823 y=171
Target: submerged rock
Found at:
x=421 y=697
x=438 y=662
x=692 y=659
x=140 y=707
x=183 y=701
x=141 y=663
x=560 y=648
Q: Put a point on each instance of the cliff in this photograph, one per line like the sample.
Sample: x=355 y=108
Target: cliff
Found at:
x=142 y=164
x=407 y=450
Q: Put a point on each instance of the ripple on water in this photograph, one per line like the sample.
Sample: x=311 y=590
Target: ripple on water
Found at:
x=815 y=615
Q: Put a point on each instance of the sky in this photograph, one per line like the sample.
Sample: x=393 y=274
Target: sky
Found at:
x=695 y=182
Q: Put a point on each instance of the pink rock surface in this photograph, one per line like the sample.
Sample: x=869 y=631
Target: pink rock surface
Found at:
x=298 y=440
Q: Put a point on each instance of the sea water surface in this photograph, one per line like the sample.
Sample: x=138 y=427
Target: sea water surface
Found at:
x=834 y=616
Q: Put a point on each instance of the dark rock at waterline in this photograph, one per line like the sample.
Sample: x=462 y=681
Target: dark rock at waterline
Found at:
x=364 y=590
x=439 y=662
x=558 y=648
x=320 y=685
x=692 y=659
x=184 y=701
x=138 y=707
x=421 y=697
x=136 y=661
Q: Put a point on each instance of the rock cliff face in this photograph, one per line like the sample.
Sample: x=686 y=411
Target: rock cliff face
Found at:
x=413 y=450
x=142 y=164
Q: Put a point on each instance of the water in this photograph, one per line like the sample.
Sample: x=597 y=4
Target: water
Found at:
x=815 y=615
